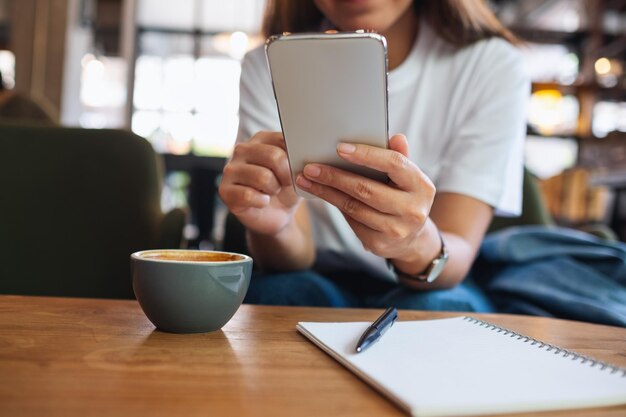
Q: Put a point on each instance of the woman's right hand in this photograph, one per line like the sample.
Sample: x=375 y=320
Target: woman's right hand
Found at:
x=256 y=184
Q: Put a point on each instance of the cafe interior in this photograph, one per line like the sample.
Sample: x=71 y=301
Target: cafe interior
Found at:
x=169 y=73
x=117 y=118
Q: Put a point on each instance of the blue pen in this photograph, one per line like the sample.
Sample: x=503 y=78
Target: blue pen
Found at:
x=377 y=329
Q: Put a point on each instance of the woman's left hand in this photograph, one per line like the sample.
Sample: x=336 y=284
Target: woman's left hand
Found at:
x=387 y=218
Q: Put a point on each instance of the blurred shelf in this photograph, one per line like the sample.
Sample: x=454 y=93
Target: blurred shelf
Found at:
x=175 y=31
x=617 y=5
x=617 y=92
x=563 y=88
x=535 y=35
x=532 y=132
x=612 y=93
x=613 y=179
x=549 y=36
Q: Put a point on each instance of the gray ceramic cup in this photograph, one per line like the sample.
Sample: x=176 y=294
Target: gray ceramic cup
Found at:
x=190 y=291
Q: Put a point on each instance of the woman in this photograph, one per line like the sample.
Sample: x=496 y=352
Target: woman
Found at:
x=457 y=96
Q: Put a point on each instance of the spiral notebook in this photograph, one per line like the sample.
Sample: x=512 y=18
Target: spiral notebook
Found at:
x=464 y=366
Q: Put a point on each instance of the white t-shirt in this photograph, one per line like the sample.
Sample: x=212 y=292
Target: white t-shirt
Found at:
x=463 y=112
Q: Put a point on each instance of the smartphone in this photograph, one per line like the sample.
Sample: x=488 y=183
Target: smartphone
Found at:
x=329 y=88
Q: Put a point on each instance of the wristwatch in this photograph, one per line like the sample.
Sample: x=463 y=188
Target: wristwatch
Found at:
x=432 y=271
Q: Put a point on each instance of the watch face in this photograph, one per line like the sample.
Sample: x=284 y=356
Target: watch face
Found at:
x=437 y=267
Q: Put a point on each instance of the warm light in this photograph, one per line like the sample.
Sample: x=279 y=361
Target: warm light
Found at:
x=552 y=96
x=603 y=66
x=546 y=112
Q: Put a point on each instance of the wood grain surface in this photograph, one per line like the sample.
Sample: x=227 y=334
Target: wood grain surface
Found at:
x=87 y=357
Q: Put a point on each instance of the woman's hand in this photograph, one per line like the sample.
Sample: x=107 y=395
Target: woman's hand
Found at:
x=387 y=218
x=256 y=185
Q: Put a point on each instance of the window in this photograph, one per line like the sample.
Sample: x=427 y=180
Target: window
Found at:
x=186 y=94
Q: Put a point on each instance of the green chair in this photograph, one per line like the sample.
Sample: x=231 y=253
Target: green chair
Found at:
x=534 y=208
x=535 y=212
x=74 y=204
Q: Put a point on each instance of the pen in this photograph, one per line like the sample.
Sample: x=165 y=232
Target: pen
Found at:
x=374 y=332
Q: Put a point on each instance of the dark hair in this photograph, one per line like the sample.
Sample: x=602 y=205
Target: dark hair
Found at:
x=1 y=82
x=460 y=22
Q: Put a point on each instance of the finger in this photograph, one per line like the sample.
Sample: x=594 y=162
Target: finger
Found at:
x=255 y=176
x=347 y=204
x=269 y=138
x=372 y=240
x=373 y=193
x=404 y=173
x=266 y=155
x=239 y=198
x=399 y=143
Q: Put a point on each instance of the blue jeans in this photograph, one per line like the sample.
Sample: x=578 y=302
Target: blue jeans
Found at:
x=554 y=272
x=308 y=288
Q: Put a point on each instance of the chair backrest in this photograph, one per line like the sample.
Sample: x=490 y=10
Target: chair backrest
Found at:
x=74 y=204
x=18 y=107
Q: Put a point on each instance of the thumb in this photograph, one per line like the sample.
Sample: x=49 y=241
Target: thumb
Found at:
x=399 y=143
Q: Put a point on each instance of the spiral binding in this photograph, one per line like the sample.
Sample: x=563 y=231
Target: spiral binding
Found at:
x=550 y=348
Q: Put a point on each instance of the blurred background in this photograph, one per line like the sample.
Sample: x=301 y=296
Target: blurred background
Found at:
x=169 y=71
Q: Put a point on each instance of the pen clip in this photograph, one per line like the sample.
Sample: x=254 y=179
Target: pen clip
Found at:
x=375 y=331
x=386 y=320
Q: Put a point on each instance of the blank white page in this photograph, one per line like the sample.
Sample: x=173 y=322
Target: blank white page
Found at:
x=462 y=366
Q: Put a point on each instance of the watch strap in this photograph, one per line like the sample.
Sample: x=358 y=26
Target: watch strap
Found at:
x=432 y=271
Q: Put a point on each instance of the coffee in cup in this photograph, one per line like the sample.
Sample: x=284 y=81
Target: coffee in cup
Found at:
x=190 y=291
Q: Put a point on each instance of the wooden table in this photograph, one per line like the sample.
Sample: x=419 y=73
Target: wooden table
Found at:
x=87 y=357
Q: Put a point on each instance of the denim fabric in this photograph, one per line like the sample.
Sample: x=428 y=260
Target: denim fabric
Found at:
x=308 y=288
x=299 y=288
x=536 y=270
x=555 y=272
x=530 y=243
